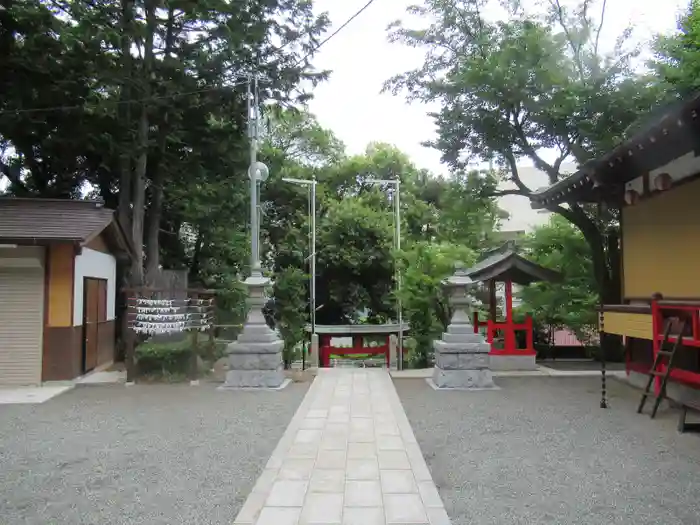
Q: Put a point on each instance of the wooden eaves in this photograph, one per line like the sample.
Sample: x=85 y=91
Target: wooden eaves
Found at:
x=668 y=134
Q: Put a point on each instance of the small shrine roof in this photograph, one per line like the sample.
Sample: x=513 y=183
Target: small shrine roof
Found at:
x=356 y=329
x=505 y=264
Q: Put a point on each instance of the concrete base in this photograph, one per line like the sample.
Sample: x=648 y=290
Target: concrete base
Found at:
x=462 y=379
x=512 y=362
x=432 y=385
x=256 y=386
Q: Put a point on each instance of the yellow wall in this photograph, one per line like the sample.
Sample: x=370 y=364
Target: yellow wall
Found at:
x=60 y=285
x=661 y=244
x=629 y=324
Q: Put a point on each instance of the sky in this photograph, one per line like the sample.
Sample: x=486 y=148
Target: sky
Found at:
x=361 y=60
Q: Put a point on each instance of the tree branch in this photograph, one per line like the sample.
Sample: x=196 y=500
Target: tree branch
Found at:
x=529 y=150
x=574 y=146
x=591 y=232
x=515 y=175
x=469 y=32
x=564 y=154
x=13 y=176
x=600 y=27
x=575 y=48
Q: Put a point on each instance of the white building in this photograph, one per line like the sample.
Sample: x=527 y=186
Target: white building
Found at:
x=522 y=216
x=523 y=219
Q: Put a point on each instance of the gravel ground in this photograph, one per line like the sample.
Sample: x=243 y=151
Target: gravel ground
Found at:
x=540 y=451
x=151 y=454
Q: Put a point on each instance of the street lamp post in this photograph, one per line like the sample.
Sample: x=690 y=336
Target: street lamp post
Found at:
x=312 y=198
x=255 y=357
x=397 y=219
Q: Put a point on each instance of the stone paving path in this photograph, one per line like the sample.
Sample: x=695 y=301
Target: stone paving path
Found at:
x=348 y=457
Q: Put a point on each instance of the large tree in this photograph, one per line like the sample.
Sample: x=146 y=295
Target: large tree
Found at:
x=514 y=89
x=570 y=303
x=677 y=59
x=355 y=226
x=144 y=102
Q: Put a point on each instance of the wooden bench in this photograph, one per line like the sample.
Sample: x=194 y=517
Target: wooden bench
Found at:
x=685 y=406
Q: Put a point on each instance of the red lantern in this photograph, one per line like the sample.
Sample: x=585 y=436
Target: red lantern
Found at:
x=663 y=182
x=631 y=197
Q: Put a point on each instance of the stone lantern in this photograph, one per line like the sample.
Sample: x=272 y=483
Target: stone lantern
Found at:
x=462 y=355
x=255 y=358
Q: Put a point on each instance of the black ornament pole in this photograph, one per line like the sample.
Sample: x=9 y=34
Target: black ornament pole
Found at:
x=601 y=323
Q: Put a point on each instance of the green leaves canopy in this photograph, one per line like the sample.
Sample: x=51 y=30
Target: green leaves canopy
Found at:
x=573 y=302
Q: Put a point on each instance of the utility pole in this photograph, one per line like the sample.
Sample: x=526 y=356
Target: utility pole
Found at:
x=255 y=358
x=398 y=272
x=313 y=256
x=396 y=183
x=252 y=103
x=312 y=211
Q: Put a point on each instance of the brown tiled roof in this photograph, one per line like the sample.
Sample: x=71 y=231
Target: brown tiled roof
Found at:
x=46 y=220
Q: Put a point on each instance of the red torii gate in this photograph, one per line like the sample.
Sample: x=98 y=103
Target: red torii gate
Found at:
x=358 y=333
x=505 y=265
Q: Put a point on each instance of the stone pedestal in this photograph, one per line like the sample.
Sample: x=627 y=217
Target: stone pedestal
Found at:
x=255 y=358
x=313 y=354
x=461 y=356
x=393 y=352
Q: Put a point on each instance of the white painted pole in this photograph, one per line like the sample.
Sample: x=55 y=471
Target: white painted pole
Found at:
x=253 y=135
x=397 y=218
x=312 y=206
x=313 y=256
x=397 y=206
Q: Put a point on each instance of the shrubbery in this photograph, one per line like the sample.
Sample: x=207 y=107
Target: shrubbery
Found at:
x=172 y=358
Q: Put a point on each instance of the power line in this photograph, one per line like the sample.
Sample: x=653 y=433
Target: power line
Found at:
x=203 y=90
x=343 y=26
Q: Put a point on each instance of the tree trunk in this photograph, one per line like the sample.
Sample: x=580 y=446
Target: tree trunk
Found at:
x=605 y=253
x=124 y=115
x=196 y=257
x=139 y=188
x=158 y=176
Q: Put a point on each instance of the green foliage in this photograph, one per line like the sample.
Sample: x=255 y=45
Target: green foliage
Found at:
x=355 y=261
x=73 y=114
x=355 y=226
x=677 y=60
x=291 y=310
x=509 y=89
x=424 y=266
x=468 y=212
x=573 y=302
x=143 y=104
x=163 y=358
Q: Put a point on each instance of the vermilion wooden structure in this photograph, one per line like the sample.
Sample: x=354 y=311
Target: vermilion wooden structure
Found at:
x=358 y=333
x=509 y=329
x=506 y=266
x=326 y=349
x=661 y=312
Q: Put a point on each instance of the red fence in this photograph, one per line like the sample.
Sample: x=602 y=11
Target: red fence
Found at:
x=677 y=311
x=327 y=349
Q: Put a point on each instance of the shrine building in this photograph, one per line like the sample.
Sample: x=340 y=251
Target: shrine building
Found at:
x=653 y=180
x=58 y=285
